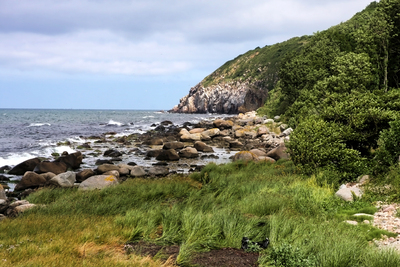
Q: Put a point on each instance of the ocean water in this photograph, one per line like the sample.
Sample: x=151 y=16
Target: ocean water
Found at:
x=28 y=133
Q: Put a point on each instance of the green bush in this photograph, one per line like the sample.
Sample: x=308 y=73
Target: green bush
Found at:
x=317 y=144
x=389 y=145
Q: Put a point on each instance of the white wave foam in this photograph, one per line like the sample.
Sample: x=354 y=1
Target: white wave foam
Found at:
x=111 y=122
x=39 y=124
x=145 y=117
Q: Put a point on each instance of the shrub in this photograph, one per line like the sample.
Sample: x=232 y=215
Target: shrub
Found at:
x=317 y=144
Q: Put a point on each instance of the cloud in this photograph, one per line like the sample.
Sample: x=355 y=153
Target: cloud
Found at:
x=152 y=37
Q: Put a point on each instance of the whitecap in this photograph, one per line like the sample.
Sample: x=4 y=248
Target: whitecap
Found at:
x=116 y=123
x=39 y=124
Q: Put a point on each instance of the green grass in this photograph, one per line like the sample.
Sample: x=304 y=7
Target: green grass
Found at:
x=208 y=210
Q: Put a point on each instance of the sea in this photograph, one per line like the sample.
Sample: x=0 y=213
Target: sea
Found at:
x=29 y=133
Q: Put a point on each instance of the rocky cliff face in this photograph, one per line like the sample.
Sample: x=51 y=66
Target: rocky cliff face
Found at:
x=226 y=98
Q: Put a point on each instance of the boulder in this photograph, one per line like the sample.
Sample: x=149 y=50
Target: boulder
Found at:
x=84 y=174
x=123 y=171
x=153 y=153
x=113 y=153
x=201 y=146
x=166 y=123
x=27 y=165
x=113 y=173
x=98 y=182
x=258 y=152
x=346 y=193
x=30 y=180
x=173 y=145
x=107 y=167
x=189 y=152
x=262 y=131
x=103 y=161
x=266 y=159
x=5 y=168
x=158 y=171
x=223 y=124
x=66 y=179
x=54 y=167
x=73 y=160
x=191 y=137
x=47 y=175
x=24 y=207
x=279 y=152
x=197 y=130
x=245 y=156
x=235 y=144
x=211 y=132
x=169 y=155
x=287 y=132
x=138 y=171
x=154 y=142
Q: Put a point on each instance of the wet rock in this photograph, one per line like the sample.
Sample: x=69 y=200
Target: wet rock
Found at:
x=4 y=178
x=160 y=163
x=5 y=168
x=103 y=161
x=28 y=165
x=166 y=123
x=112 y=153
x=153 y=153
x=173 y=145
x=73 y=160
x=201 y=146
x=132 y=164
x=160 y=128
x=98 y=182
x=54 y=167
x=169 y=155
x=30 y=180
x=66 y=179
x=189 y=152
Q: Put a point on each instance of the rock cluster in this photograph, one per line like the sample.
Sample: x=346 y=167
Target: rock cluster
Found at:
x=386 y=219
x=250 y=137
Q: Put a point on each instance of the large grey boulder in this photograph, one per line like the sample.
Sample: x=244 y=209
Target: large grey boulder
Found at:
x=98 y=182
x=66 y=179
x=138 y=171
x=158 y=171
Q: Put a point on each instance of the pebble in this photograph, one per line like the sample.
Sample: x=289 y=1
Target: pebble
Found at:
x=386 y=219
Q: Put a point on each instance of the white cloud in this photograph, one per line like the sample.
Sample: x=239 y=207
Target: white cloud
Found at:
x=152 y=37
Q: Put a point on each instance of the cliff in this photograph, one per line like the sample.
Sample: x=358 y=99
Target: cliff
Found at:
x=242 y=84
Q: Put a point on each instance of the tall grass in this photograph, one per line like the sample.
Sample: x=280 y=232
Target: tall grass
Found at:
x=208 y=210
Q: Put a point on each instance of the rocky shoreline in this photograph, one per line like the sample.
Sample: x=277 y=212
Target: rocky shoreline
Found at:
x=167 y=149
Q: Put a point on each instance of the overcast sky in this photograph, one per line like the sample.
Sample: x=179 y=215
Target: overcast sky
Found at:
x=138 y=54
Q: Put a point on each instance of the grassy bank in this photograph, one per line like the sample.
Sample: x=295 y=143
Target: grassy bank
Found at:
x=208 y=210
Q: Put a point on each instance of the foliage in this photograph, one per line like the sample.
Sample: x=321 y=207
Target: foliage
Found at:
x=389 y=145
x=319 y=144
x=285 y=255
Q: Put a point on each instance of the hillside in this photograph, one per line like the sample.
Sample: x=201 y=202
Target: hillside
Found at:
x=241 y=84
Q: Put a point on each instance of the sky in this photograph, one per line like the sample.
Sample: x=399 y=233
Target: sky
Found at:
x=139 y=54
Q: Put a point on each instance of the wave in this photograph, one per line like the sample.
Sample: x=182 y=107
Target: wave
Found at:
x=114 y=123
x=39 y=124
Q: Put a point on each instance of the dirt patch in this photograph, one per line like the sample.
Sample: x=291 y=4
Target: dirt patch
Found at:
x=226 y=257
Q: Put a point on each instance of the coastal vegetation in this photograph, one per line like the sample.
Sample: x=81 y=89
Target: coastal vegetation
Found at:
x=209 y=210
